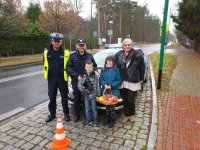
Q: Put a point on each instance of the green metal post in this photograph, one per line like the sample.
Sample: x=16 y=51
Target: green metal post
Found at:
x=162 y=43
x=91 y=34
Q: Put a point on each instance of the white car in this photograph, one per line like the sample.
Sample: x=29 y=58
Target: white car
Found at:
x=100 y=57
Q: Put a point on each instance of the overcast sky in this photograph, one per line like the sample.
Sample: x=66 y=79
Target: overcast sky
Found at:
x=155 y=6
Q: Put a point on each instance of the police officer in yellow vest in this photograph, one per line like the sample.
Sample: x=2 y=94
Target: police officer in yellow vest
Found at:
x=55 y=61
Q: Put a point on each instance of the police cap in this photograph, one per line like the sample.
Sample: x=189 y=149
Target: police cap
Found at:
x=56 y=36
x=80 y=41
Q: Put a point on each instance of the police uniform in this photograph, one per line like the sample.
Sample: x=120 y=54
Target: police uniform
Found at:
x=55 y=62
x=76 y=67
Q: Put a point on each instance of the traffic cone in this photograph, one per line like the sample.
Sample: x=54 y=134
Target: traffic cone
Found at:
x=60 y=142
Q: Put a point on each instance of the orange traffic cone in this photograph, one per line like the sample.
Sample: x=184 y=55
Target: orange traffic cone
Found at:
x=60 y=142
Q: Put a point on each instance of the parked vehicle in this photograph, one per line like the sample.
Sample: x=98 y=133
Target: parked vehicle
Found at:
x=100 y=57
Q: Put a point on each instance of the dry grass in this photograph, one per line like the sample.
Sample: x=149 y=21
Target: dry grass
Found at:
x=17 y=60
x=168 y=65
x=10 y=61
x=174 y=46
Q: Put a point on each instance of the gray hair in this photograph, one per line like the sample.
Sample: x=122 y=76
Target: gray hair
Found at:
x=127 y=40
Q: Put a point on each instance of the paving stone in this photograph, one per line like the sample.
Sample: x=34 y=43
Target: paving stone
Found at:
x=2 y=145
x=109 y=139
x=122 y=130
x=2 y=135
x=124 y=148
x=82 y=146
x=74 y=144
x=8 y=147
x=127 y=136
x=108 y=133
x=5 y=129
x=142 y=136
x=114 y=146
x=141 y=142
x=43 y=142
x=100 y=137
x=118 y=141
x=92 y=134
x=118 y=134
x=91 y=148
x=24 y=128
x=81 y=138
x=35 y=130
x=138 y=124
x=19 y=143
x=29 y=137
x=129 y=143
x=37 y=148
x=27 y=146
x=6 y=138
x=139 y=147
x=88 y=141
x=36 y=140
x=76 y=130
x=105 y=145
x=132 y=132
x=96 y=143
x=13 y=141
x=127 y=126
x=48 y=135
x=134 y=137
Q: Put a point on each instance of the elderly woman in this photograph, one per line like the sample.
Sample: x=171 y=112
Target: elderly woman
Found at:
x=131 y=66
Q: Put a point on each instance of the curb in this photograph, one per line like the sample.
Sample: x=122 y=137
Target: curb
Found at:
x=154 y=122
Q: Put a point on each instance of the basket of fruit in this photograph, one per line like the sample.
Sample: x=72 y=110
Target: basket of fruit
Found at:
x=108 y=99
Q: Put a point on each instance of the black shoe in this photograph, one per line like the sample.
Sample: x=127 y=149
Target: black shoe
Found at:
x=50 y=118
x=111 y=124
x=66 y=117
x=76 y=119
x=106 y=122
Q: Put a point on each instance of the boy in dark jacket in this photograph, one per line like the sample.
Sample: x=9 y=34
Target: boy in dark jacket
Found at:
x=110 y=80
x=89 y=86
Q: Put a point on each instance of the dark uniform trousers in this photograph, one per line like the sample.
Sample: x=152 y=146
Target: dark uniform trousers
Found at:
x=55 y=82
x=77 y=97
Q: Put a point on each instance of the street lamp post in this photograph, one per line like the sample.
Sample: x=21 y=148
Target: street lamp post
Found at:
x=162 y=43
x=91 y=32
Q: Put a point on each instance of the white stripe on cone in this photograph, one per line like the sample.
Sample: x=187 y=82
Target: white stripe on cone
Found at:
x=60 y=136
x=59 y=125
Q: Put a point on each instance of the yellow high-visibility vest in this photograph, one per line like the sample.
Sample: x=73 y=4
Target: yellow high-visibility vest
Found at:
x=46 y=64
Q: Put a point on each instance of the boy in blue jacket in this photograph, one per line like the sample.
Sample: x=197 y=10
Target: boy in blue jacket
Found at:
x=89 y=86
x=110 y=80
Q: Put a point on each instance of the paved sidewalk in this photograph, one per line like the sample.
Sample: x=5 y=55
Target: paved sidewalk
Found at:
x=179 y=108
x=31 y=132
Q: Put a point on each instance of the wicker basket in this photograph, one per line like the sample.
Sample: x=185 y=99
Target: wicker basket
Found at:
x=108 y=99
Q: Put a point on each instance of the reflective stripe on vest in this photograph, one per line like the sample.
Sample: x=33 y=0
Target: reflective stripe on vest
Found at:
x=66 y=58
x=46 y=64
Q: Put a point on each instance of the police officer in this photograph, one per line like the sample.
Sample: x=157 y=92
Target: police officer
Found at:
x=55 y=62
x=76 y=68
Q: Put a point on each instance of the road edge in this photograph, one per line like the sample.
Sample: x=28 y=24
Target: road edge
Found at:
x=154 y=122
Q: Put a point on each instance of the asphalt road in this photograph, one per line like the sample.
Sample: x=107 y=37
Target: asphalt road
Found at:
x=24 y=87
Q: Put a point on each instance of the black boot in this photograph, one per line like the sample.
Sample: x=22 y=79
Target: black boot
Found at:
x=76 y=118
x=50 y=118
x=66 y=117
x=107 y=121
x=111 y=124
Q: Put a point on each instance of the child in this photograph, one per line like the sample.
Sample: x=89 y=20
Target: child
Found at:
x=110 y=80
x=89 y=86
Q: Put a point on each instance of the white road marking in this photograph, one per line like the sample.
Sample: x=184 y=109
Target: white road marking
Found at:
x=20 y=76
x=11 y=113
